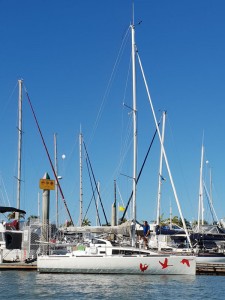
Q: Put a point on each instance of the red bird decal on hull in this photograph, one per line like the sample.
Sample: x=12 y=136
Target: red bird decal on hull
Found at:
x=165 y=264
x=143 y=267
x=185 y=261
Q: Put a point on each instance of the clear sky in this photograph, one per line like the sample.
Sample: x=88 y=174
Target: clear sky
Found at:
x=68 y=55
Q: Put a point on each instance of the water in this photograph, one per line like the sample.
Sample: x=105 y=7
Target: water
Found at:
x=32 y=285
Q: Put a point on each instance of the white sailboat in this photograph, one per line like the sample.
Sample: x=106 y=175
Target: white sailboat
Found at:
x=10 y=233
x=11 y=237
x=101 y=256
x=17 y=239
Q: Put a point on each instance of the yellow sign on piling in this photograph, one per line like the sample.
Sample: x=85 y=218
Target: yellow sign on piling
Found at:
x=47 y=184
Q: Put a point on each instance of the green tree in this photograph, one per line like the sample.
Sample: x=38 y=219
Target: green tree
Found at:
x=195 y=222
x=32 y=217
x=86 y=222
x=174 y=220
x=187 y=223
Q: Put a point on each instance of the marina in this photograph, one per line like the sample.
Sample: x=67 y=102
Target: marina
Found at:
x=109 y=255
x=115 y=237
x=105 y=253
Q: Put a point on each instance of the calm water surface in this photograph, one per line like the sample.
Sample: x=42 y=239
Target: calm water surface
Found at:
x=31 y=285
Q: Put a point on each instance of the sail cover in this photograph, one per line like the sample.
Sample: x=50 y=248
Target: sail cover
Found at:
x=4 y=209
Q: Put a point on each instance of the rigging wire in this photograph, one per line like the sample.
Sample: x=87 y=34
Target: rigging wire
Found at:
x=49 y=158
x=139 y=174
x=108 y=87
x=93 y=194
x=182 y=177
x=4 y=191
x=210 y=203
x=126 y=147
x=95 y=183
x=120 y=196
x=123 y=148
x=125 y=142
x=123 y=154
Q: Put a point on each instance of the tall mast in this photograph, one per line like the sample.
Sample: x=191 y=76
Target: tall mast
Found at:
x=20 y=82
x=200 y=199
x=81 y=186
x=57 y=189
x=134 y=130
x=160 y=171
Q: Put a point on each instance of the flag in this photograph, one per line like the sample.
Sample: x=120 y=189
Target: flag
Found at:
x=121 y=208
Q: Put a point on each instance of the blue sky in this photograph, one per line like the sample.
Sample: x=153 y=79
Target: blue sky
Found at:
x=65 y=51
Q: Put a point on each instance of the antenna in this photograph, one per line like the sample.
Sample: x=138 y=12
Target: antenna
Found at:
x=133 y=12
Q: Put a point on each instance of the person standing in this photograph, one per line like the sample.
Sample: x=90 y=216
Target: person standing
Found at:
x=146 y=231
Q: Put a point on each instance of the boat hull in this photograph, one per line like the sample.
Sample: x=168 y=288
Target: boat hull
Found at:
x=146 y=265
x=210 y=259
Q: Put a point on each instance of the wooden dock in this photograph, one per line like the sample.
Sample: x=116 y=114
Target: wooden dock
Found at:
x=18 y=266
x=210 y=269
x=201 y=269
